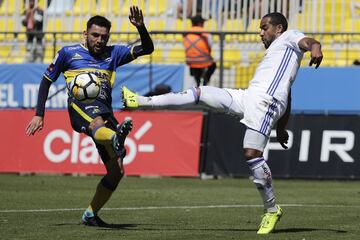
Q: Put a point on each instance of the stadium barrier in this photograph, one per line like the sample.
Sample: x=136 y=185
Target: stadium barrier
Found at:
x=183 y=143
x=325 y=147
x=160 y=144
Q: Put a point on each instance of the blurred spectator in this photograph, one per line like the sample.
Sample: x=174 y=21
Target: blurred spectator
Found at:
x=32 y=19
x=198 y=51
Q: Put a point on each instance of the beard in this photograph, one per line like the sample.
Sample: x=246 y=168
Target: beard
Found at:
x=95 y=51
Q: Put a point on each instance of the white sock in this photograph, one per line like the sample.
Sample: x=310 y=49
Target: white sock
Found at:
x=170 y=99
x=263 y=181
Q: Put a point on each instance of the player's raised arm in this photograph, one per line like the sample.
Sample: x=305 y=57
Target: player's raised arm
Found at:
x=137 y=19
x=310 y=44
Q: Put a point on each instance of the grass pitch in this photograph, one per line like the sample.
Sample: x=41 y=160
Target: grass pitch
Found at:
x=50 y=207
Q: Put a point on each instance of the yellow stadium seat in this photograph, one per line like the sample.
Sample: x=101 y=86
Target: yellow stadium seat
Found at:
x=180 y=25
x=254 y=26
x=347 y=56
x=233 y=26
x=211 y=25
x=6 y=25
x=8 y=7
x=158 y=56
x=244 y=75
x=231 y=57
x=157 y=7
x=329 y=59
x=54 y=25
x=176 y=55
x=105 y=7
x=5 y=51
x=84 y=7
x=79 y=25
x=124 y=10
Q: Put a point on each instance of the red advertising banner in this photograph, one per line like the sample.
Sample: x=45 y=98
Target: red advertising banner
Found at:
x=161 y=144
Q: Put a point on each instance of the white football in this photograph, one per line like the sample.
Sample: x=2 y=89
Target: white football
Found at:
x=85 y=87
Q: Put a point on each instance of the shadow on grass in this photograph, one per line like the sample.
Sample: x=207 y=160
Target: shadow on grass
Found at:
x=107 y=226
x=169 y=227
x=294 y=230
x=155 y=227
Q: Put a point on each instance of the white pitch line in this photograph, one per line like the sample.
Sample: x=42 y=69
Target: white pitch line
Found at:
x=177 y=207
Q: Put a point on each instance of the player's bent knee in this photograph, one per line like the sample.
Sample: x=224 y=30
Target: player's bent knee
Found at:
x=251 y=153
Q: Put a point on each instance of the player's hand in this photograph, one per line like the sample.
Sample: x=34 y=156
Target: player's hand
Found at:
x=136 y=16
x=316 y=55
x=36 y=124
x=282 y=137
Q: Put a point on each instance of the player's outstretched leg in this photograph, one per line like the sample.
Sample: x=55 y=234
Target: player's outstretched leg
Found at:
x=129 y=98
x=269 y=221
x=122 y=130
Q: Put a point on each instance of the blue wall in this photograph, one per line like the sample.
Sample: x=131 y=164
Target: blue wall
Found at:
x=327 y=90
x=322 y=90
x=19 y=83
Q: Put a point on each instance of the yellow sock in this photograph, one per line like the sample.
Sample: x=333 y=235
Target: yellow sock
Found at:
x=103 y=134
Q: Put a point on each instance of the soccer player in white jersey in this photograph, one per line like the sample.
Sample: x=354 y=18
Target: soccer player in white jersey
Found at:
x=263 y=105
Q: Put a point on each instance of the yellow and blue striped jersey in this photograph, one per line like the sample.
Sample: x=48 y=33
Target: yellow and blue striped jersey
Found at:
x=75 y=59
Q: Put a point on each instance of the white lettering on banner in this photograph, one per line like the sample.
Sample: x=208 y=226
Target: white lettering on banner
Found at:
x=339 y=148
x=87 y=154
x=85 y=151
x=131 y=153
x=7 y=96
x=60 y=99
x=59 y=157
x=275 y=145
x=30 y=95
x=142 y=147
x=31 y=90
x=304 y=145
x=75 y=147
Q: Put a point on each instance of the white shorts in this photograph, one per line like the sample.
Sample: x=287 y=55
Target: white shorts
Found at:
x=258 y=111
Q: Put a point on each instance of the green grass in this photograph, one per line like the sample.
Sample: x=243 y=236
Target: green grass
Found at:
x=330 y=210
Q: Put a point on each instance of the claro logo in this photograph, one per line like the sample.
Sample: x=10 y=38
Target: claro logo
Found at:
x=83 y=150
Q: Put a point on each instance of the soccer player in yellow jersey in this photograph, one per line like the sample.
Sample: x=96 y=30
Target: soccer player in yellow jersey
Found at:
x=96 y=119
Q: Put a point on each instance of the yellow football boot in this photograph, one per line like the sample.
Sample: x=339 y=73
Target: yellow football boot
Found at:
x=269 y=221
x=129 y=98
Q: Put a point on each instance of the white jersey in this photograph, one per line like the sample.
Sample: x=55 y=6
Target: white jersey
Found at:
x=277 y=70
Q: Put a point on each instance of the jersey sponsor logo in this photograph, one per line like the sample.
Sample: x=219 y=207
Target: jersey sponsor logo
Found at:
x=74 y=48
x=76 y=56
x=91 y=106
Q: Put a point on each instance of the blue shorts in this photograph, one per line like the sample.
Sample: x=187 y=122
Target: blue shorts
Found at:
x=82 y=114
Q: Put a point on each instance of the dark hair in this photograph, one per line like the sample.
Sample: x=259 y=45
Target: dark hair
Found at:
x=277 y=18
x=196 y=20
x=99 y=21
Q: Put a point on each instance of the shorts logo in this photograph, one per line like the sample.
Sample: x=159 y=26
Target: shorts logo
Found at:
x=96 y=110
